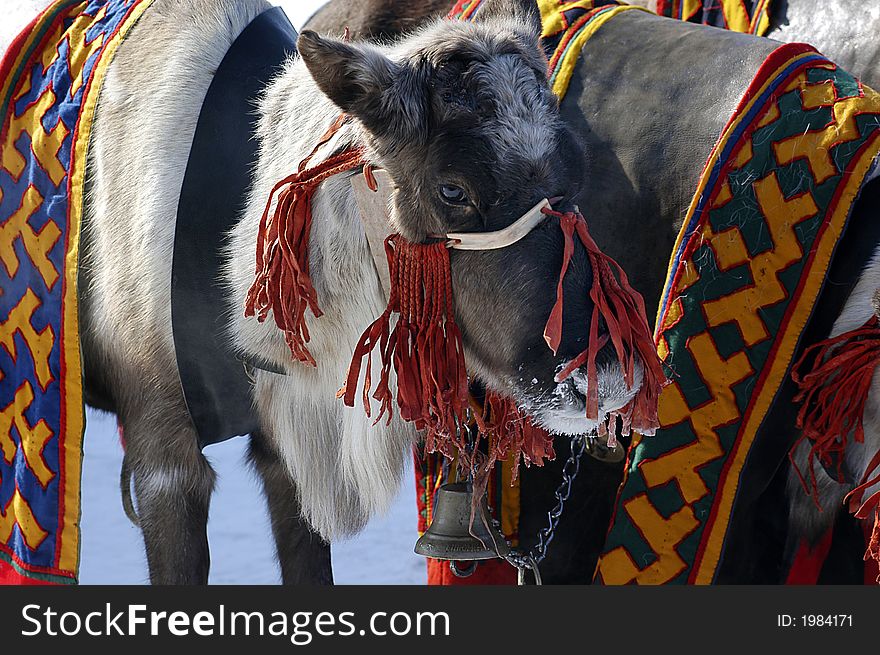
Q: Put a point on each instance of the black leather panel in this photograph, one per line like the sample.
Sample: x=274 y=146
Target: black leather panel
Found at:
x=216 y=385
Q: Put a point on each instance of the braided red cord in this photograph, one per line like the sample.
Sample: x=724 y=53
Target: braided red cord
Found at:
x=424 y=348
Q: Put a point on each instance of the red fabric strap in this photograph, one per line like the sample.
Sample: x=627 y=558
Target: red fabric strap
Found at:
x=622 y=309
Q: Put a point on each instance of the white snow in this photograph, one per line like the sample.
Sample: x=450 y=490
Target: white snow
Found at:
x=242 y=551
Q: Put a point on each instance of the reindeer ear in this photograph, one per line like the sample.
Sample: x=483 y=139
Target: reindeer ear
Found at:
x=526 y=11
x=386 y=96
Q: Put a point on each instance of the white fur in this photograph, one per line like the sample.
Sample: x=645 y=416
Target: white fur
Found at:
x=346 y=470
x=566 y=413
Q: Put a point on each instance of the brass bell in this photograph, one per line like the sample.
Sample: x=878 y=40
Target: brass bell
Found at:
x=451 y=535
x=598 y=448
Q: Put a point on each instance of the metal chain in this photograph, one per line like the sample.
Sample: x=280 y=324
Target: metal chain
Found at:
x=570 y=470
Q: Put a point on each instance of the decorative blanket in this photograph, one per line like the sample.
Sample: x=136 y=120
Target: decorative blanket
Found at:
x=747 y=16
x=773 y=203
x=50 y=79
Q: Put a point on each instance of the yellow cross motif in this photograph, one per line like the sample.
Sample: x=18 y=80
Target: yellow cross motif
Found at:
x=617 y=566
x=742 y=307
x=50 y=55
x=815 y=147
x=18 y=511
x=37 y=245
x=79 y=49
x=33 y=439
x=39 y=343
x=44 y=143
x=683 y=464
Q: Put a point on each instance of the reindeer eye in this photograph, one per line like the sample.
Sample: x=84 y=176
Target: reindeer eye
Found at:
x=452 y=194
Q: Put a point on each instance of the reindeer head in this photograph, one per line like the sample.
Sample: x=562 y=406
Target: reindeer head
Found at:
x=462 y=117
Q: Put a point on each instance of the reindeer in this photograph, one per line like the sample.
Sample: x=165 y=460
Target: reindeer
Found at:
x=643 y=164
x=463 y=120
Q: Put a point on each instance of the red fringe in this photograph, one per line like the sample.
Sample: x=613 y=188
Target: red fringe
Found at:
x=424 y=348
x=834 y=393
x=283 y=285
x=507 y=430
x=622 y=309
x=426 y=353
x=510 y=431
x=873 y=551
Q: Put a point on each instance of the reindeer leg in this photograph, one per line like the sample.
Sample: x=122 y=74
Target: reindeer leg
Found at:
x=303 y=555
x=173 y=483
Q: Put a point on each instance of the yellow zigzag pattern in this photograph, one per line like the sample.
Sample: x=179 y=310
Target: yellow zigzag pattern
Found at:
x=742 y=308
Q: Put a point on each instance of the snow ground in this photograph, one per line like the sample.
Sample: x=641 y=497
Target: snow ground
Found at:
x=242 y=551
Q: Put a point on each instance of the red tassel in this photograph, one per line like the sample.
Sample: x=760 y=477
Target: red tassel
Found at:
x=283 y=285
x=424 y=348
x=623 y=310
